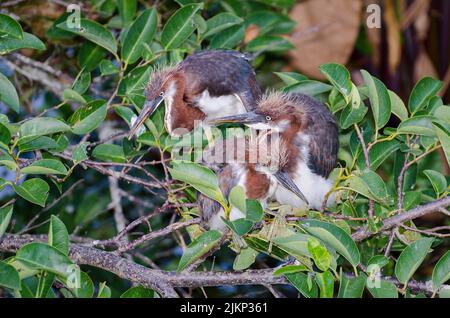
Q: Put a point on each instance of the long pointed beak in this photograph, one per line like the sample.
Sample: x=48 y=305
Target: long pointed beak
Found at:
x=245 y=118
x=148 y=109
x=286 y=181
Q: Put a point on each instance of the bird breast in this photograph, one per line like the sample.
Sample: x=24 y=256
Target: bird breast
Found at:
x=219 y=106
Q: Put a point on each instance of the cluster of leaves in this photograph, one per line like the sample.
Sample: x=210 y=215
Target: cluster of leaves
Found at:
x=121 y=54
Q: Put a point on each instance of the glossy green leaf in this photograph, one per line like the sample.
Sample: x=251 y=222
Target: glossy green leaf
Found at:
x=199 y=177
x=221 y=22
x=42 y=126
x=244 y=259
x=254 y=211
x=229 y=38
x=10 y=27
x=8 y=93
x=379 y=99
x=82 y=82
x=418 y=125
x=334 y=236
x=138 y=292
x=437 y=180
x=90 y=55
x=319 y=254
x=381 y=151
x=109 y=152
x=72 y=95
x=397 y=106
x=89 y=117
x=289 y=269
x=351 y=287
x=33 y=190
x=444 y=138
x=352 y=115
x=9 y=277
x=5 y=218
x=103 y=291
x=339 y=77
x=441 y=271
x=239 y=226
x=325 y=281
x=269 y=43
x=85 y=288
x=94 y=32
x=45 y=257
x=380 y=288
x=179 y=26
x=33 y=143
x=308 y=87
x=29 y=41
x=45 y=166
x=411 y=258
x=127 y=10
x=422 y=92
x=300 y=282
x=290 y=78
x=58 y=237
x=369 y=184
x=198 y=248
x=141 y=31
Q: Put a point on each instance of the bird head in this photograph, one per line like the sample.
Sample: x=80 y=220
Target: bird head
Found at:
x=160 y=84
x=275 y=111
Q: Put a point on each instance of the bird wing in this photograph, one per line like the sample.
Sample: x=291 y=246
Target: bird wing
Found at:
x=322 y=130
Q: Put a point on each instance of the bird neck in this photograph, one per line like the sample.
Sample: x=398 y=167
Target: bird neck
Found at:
x=290 y=136
x=256 y=184
x=180 y=113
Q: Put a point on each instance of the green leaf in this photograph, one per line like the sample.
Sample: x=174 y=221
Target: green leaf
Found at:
x=5 y=218
x=380 y=288
x=72 y=95
x=42 y=126
x=352 y=115
x=95 y=32
x=381 y=151
x=198 y=248
x=239 y=226
x=79 y=153
x=141 y=31
x=319 y=254
x=135 y=81
x=237 y=198
x=411 y=258
x=370 y=185
x=422 y=92
x=10 y=27
x=109 y=152
x=296 y=244
x=334 y=236
x=397 y=105
x=45 y=282
x=82 y=82
x=229 y=38
x=254 y=211
x=244 y=259
x=90 y=55
x=33 y=143
x=441 y=271
x=29 y=41
x=127 y=10
x=33 y=190
x=5 y=137
x=300 y=282
x=418 y=125
x=339 y=77
x=199 y=177
x=58 y=237
x=138 y=292
x=221 y=22
x=289 y=269
x=269 y=43
x=8 y=93
x=45 y=257
x=444 y=138
x=437 y=180
x=88 y=117
x=9 y=277
x=285 y=4
x=179 y=26
x=103 y=291
x=45 y=166
x=351 y=287
x=85 y=287
x=290 y=78
x=379 y=99
x=325 y=281
x=308 y=87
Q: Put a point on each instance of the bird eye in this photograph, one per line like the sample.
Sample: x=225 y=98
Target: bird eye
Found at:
x=268 y=118
x=161 y=94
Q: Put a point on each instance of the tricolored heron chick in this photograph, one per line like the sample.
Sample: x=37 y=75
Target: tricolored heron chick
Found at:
x=256 y=165
x=206 y=85
x=310 y=132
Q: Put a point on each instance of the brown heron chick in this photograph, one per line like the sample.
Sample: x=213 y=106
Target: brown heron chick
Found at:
x=206 y=85
x=309 y=129
x=257 y=166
